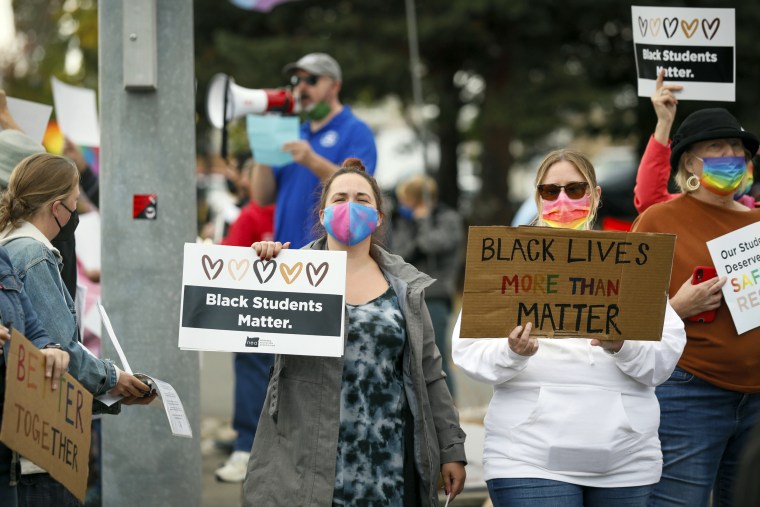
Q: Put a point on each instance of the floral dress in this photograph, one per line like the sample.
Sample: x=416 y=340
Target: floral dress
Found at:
x=370 y=463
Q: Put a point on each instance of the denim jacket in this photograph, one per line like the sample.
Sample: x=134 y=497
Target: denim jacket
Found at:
x=16 y=311
x=37 y=264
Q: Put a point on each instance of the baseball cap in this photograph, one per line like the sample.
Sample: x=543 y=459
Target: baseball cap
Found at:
x=15 y=146
x=320 y=64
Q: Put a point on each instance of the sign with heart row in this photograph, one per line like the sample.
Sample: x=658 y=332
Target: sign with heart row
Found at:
x=233 y=301
x=695 y=47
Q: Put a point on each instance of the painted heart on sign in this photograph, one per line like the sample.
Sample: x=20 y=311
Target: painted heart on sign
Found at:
x=654 y=26
x=316 y=273
x=238 y=269
x=689 y=28
x=671 y=25
x=264 y=270
x=290 y=274
x=710 y=28
x=643 y=26
x=209 y=266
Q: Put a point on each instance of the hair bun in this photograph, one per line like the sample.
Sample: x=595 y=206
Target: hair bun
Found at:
x=353 y=163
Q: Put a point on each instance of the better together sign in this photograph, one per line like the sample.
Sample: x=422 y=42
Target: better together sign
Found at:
x=696 y=47
x=50 y=428
x=592 y=284
x=233 y=301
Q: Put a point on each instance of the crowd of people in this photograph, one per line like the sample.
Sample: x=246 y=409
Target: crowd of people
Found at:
x=572 y=422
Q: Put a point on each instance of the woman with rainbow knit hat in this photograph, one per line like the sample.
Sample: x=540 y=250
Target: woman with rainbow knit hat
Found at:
x=712 y=399
x=573 y=421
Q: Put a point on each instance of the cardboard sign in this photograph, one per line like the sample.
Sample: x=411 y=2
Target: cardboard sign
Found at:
x=49 y=428
x=233 y=301
x=697 y=48
x=589 y=284
x=736 y=256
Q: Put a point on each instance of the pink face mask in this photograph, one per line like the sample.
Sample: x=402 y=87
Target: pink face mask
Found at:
x=566 y=213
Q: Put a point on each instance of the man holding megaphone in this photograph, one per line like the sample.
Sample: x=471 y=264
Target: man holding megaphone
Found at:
x=329 y=135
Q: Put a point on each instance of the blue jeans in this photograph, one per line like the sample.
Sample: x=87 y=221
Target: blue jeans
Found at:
x=440 y=310
x=251 y=379
x=703 y=430
x=547 y=493
x=41 y=490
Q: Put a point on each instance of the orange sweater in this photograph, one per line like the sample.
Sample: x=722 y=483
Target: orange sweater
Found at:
x=714 y=352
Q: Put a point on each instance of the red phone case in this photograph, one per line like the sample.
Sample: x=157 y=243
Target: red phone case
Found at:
x=702 y=274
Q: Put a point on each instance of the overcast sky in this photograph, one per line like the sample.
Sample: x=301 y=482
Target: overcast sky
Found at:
x=6 y=23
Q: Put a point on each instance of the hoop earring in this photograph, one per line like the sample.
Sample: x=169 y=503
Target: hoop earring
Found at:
x=692 y=183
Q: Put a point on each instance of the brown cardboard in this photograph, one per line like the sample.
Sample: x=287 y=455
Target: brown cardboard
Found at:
x=49 y=428
x=518 y=274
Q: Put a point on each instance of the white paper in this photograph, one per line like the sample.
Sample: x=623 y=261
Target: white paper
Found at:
x=114 y=340
x=81 y=299
x=77 y=113
x=736 y=256
x=697 y=48
x=175 y=411
x=88 y=240
x=31 y=117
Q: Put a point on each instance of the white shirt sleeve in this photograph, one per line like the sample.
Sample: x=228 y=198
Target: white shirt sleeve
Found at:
x=488 y=360
x=651 y=363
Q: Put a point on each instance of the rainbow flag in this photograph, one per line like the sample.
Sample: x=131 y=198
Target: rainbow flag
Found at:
x=53 y=142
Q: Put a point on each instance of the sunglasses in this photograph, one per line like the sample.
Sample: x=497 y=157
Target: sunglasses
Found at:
x=574 y=190
x=309 y=79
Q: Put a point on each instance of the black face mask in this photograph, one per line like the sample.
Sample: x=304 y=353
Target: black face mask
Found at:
x=67 y=231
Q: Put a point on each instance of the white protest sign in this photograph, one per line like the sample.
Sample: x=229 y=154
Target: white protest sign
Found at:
x=77 y=113
x=175 y=411
x=31 y=117
x=233 y=301
x=697 y=48
x=736 y=256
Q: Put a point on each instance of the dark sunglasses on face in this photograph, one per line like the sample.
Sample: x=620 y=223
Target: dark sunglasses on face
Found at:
x=309 y=79
x=574 y=190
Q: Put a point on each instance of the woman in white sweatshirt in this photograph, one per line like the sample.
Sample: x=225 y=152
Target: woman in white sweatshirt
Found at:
x=572 y=422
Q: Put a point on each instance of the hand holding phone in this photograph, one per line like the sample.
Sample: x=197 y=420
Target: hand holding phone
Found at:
x=702 y=274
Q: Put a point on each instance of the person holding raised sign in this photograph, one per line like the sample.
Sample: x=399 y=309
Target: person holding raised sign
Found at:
x=572 y=421
x=378 y=425
x=40 y=201
x=654 y=168
x=712 y=399
x=17 y=312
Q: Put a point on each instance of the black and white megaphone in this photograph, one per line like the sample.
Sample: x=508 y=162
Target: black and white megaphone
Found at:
x=226 y=101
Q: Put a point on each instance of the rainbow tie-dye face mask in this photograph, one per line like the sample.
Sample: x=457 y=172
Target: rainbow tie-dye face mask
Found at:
x=566 y=213
x=747 y=182
x=350 y=222
x=722 y=175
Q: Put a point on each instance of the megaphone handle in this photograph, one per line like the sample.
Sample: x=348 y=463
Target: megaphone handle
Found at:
x=224 y=118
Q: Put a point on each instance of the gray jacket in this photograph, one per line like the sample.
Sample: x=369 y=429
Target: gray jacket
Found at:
x=295 y=449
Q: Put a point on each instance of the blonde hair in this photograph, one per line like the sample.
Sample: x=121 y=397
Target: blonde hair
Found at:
x=584 y=166
x=417 y=189
x=37 y=181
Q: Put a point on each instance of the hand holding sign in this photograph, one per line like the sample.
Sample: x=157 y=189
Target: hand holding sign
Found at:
x=521 y=342
x=664 y=101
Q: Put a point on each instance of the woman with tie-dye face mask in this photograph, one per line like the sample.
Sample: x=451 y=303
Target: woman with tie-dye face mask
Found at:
x=712 y=400
x=376 y=426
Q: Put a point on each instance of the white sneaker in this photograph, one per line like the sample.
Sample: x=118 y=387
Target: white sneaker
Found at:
x=234 y=468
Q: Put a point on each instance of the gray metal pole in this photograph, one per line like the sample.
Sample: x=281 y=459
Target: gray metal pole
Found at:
x=415 y=68
x=148 y=147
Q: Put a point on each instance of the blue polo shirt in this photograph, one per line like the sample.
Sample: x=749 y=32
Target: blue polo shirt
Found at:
x=298 y=189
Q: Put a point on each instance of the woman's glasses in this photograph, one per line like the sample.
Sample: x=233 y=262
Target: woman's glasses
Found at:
x=309 y=79
x=574 y=190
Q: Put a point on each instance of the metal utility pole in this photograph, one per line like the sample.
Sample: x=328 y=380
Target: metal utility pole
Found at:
x=148 y=207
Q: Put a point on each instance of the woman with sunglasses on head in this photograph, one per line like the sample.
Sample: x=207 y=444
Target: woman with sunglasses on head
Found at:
x=712 y=399
x=376 y=426
x=572 y=422
x=40 y=201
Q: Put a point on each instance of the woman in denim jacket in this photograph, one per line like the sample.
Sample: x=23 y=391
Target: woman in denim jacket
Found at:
x=376 y=426
x=40 y=201
x=16 y=312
